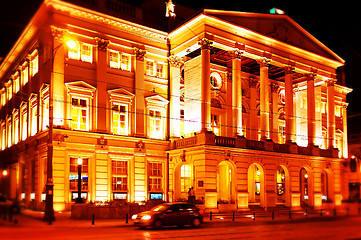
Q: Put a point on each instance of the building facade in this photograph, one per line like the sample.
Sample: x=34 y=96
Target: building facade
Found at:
x=246 y=108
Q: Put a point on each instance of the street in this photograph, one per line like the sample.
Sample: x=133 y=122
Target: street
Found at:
x=327 y=228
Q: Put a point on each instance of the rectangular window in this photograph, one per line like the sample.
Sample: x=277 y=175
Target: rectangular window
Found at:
x=119 y=176
x=74 y=53
x=114 y=59
x=9 y=91
x=150 y=68
x=34 y=119
x=160 y=70
x=45 y=113
x=155 y=177
x=155 y=124
x=25 y=75
x=3 y=136
x=215 y=124
x=186 y=177
x=35 y=65
x=120 y=119
x=8 y=132
x=73 y=174
x=24 y=125
x=86 y=53
x=16 y=84
x=338 y=111
x=16 y=128
x=79 y=114
x=125 y=62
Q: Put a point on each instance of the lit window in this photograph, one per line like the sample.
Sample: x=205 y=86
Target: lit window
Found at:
x=73 y=174
x=34 y=65
x=16 y=84
x=155 y=177
x=8 y=131
x=338 y=111
x=150 y=68
x=155 y=124
x=114 y=59
x=24 y=123
x=45 y=113
x=323 y=107
x=120 y=119
x=9 y=91
x=34 y=118
x=119 y=176
x=25 y=75
x=160 y=70
x=186 y=177
x=3 y=97
x=79 y=114
x=16 y=126
x=3 y=136
x=125 y=62
x=215 y=125
x=81 y=51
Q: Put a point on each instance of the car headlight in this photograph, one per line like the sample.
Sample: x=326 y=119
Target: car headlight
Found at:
x=134 y=216
x=146 y=217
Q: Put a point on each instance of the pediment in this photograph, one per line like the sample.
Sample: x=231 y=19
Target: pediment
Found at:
x=80 y=87
x=279 y=27
x=156 y=100
x=121 y=94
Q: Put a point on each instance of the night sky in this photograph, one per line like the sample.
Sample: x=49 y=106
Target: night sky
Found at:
x=336 y=24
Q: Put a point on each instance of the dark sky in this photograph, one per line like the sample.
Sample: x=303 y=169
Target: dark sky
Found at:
x=337 y=24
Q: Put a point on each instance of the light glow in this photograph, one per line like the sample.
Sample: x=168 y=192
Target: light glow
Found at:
x=80 y=161
x=146 y=217
x=5 y=172
x=71 y=44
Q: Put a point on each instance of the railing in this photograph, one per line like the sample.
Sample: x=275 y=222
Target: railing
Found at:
x=255 y=144
x=225 y=141
x=186 y=142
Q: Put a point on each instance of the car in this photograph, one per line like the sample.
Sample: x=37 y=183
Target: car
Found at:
x=169 y=214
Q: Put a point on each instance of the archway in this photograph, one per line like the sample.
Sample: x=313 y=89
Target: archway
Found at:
x=327 y=190
x=184 y=179
x=306 y=189
x=283 y=186
x=226 y=182
x=256 y=185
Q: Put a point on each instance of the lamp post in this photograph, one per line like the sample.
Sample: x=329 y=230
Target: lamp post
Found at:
x=79 y=199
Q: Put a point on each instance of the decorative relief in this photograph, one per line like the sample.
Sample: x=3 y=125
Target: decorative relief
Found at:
x=331 y=82
x=139 y=54
x=236 y=53
x=58 y=33
x=289 y=69
x=205 y=43
x=102 y=44
x=274 y=87
x=252 y=82
x=263 y=62
x=175 y=61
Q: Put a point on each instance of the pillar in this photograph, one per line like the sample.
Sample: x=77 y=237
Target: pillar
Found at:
x=101 y=118
x=237 y=92
x=311 y=113
x=331 y=113
x=140 y=128
x=344 y=130
x=253 y=119
x=264 y=98
x=205 y=83
x=275 y=115
x=289 y=117
x=174 y=98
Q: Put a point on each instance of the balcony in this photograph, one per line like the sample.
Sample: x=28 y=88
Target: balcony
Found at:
x=208 y=138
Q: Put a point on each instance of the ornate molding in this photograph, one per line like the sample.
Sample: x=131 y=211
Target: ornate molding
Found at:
x=139 y=54
x=331 y=82
x=310 y=76
x=175 y=61
x=236 y=53
x=289 y=69
x=58 y=33
x=252 y=83
x=263 y=62
x=102 y=44
x=274 y=87
x=205 y=43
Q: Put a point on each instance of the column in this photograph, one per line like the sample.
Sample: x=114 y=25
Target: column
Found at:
x=140 y=128
x=102 y=99
x=331 y=113
x=275 y=115
x=344 y=130
x=253 y=119
x=311 y=123
x=289 y=117
x=264 y=98
x=205 y=83
x=174 y=98
x=237 y=92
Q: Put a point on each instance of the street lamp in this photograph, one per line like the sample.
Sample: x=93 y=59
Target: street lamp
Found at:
x=80 y=162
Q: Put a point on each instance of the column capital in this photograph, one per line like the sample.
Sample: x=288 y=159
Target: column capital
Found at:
x=205 y=43
x=102 y=44
x=58 y=33
x=263 y=62
x=253 y=82
x=274 y=87
x=139 y=54
x=331 y=82
x=289 y=69
x=310 y=76
x=236 y=53
x=175 y=61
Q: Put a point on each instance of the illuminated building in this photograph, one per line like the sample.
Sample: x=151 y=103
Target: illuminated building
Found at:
x=247 y=108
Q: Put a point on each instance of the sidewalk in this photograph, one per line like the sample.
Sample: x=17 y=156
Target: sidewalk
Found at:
x=30 y=218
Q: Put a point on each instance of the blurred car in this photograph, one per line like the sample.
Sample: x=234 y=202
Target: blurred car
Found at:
x=13 y=205
x=169 y=214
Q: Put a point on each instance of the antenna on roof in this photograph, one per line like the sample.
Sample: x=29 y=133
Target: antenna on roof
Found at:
x=276 y=11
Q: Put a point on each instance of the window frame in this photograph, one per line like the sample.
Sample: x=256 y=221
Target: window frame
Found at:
x=159 y=104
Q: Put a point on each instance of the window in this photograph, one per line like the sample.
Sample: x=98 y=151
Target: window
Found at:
x=73 y=174
x=16 y=126
x=155 y=124
x=9 y=91
x=150 y=68
x=160 y=70
x=81 y=51
x=16 y=83
x=8 y=131
x=338 y=111
x=125 y=62
x=3 y=97
x=79 y=114
x=45 y=113
x=215 y=124
x=25 y=75
x=33 y=117
x=114 y=59
x=156 y=69
x=24 y=121
x=120 y=119
x=186 y=177
x=34 y=65
x=216 y=80
x=155 y=176
x=119 y=176
x=3 y=135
